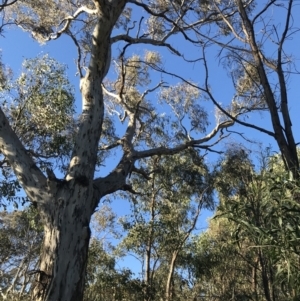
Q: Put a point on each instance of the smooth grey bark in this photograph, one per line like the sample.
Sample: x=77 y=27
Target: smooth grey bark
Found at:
x=67 y=218
x=168 y=292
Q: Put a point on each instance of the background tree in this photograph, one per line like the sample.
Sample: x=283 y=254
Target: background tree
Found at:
x=256 y=51
x=21 y=237
x=30 y=101
x=165 y=213
x=105 y=281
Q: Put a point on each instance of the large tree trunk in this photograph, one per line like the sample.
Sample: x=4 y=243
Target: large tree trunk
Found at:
x=66 y=205
x=64 y=252
x=67 y=215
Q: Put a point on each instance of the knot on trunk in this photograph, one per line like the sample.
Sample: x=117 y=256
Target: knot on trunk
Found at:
x=42 y=281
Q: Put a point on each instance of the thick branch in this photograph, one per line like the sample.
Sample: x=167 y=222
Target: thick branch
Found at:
x=28 y=174
x=132 y=40
x=84 y=155
x=116 y=180
x=69 y=19
x=113 y=182
x=288 y=151
x=192 y=143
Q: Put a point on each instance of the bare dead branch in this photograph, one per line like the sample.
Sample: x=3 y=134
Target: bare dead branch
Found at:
x=132 y=40
x=193 y=143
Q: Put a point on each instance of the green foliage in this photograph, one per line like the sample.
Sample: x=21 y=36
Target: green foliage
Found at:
x=184 y=101
x=40 y=108
x=263 y=213
x=223 y=269
x=256 y=222
x=105 y=282
x=164 y=216
x=20 y=240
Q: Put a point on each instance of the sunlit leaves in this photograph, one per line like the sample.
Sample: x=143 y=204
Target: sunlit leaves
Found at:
x=184 y=102
x=40 y=107
x=31 y=16
x=250 y=79
x=263 y=210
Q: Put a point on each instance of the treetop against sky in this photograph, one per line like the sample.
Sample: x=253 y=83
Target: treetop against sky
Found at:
x=184 y=67
x=220 y=82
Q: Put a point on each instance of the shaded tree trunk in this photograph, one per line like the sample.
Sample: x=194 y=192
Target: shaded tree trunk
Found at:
x=254 y=278
x=66 y=206
x=265 y=277
x=148 y=273
x=64 y=252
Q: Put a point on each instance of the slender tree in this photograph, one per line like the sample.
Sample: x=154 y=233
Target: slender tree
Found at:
x=255 y=47
x=165 y=214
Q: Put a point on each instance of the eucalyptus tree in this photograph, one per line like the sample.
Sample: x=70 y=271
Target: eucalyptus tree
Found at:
x=256 y=42
x=102 y=31
x=164 y=217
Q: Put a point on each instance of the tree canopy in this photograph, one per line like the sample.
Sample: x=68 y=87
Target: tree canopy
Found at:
x=144 y=131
